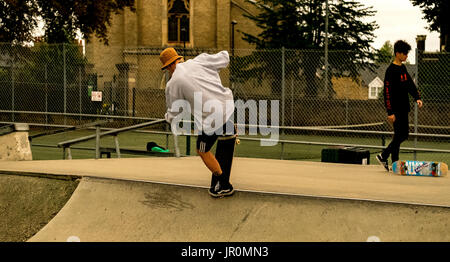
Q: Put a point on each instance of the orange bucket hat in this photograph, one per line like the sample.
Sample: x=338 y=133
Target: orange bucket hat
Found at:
x=168 y=56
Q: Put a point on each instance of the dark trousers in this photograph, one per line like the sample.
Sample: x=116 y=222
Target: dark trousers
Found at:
x=401 y=132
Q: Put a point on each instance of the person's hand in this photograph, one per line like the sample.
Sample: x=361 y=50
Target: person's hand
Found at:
x=419 y=103
x=391 y=119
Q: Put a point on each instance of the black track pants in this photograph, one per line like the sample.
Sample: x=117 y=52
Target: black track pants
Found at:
x=401 y=132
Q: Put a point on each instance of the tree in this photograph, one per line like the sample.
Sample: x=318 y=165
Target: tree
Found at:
x=17 y=20
x=436 y=13
x=300 y=24
x=385 y=54
x=62 y=19
x=39 y=73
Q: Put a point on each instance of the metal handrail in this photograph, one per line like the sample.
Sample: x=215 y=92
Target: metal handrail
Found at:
x=110 y=132
x=66 y=144
x=71 y=128
x=329 y=130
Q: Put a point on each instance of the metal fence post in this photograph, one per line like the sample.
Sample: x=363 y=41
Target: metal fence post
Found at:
x=292 y=102
x=346 y=111
x=415 y=130
x=133 y=99
x=283 y=96
x=79 y=87
x=12 y=90
x=415 y=104
x=326 y=49
x=46 y=93
x=65 y=83
x=175 y=144
x=167 y=136
x=97 y=142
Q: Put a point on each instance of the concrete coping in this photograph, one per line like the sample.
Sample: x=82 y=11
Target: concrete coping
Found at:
x=21 y=127
x=17 y=127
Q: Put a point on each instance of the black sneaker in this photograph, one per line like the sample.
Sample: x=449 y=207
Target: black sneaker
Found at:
x=383 y=162
x=220 y=190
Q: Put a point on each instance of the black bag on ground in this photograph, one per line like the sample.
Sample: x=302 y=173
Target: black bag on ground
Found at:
x=346 y=155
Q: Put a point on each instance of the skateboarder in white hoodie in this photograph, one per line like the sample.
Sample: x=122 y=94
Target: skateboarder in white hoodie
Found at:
x=197 y=81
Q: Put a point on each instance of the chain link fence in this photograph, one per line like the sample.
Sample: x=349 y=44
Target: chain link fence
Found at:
x=321 y=103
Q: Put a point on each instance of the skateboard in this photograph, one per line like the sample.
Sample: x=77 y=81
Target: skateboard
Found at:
x=419 y=168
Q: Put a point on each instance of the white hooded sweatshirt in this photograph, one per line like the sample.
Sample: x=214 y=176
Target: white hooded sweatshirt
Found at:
x=199 y=78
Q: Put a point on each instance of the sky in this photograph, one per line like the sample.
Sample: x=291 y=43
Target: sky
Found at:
x=399 y=19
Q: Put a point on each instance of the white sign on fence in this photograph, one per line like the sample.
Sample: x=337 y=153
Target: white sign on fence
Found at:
x=96 y=96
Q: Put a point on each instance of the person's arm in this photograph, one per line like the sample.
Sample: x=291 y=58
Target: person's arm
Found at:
x=216 y=61
x=412 y=90
x=172 y=94
x=388 y=80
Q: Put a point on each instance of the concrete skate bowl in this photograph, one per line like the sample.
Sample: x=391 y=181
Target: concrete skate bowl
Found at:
x=131 y=211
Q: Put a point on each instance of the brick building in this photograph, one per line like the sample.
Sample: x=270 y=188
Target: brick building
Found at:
x=131 y=60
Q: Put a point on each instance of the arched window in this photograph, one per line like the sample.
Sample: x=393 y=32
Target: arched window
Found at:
x=178 y=20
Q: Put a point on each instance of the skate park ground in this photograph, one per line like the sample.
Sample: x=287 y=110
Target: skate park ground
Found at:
x=166 y=199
